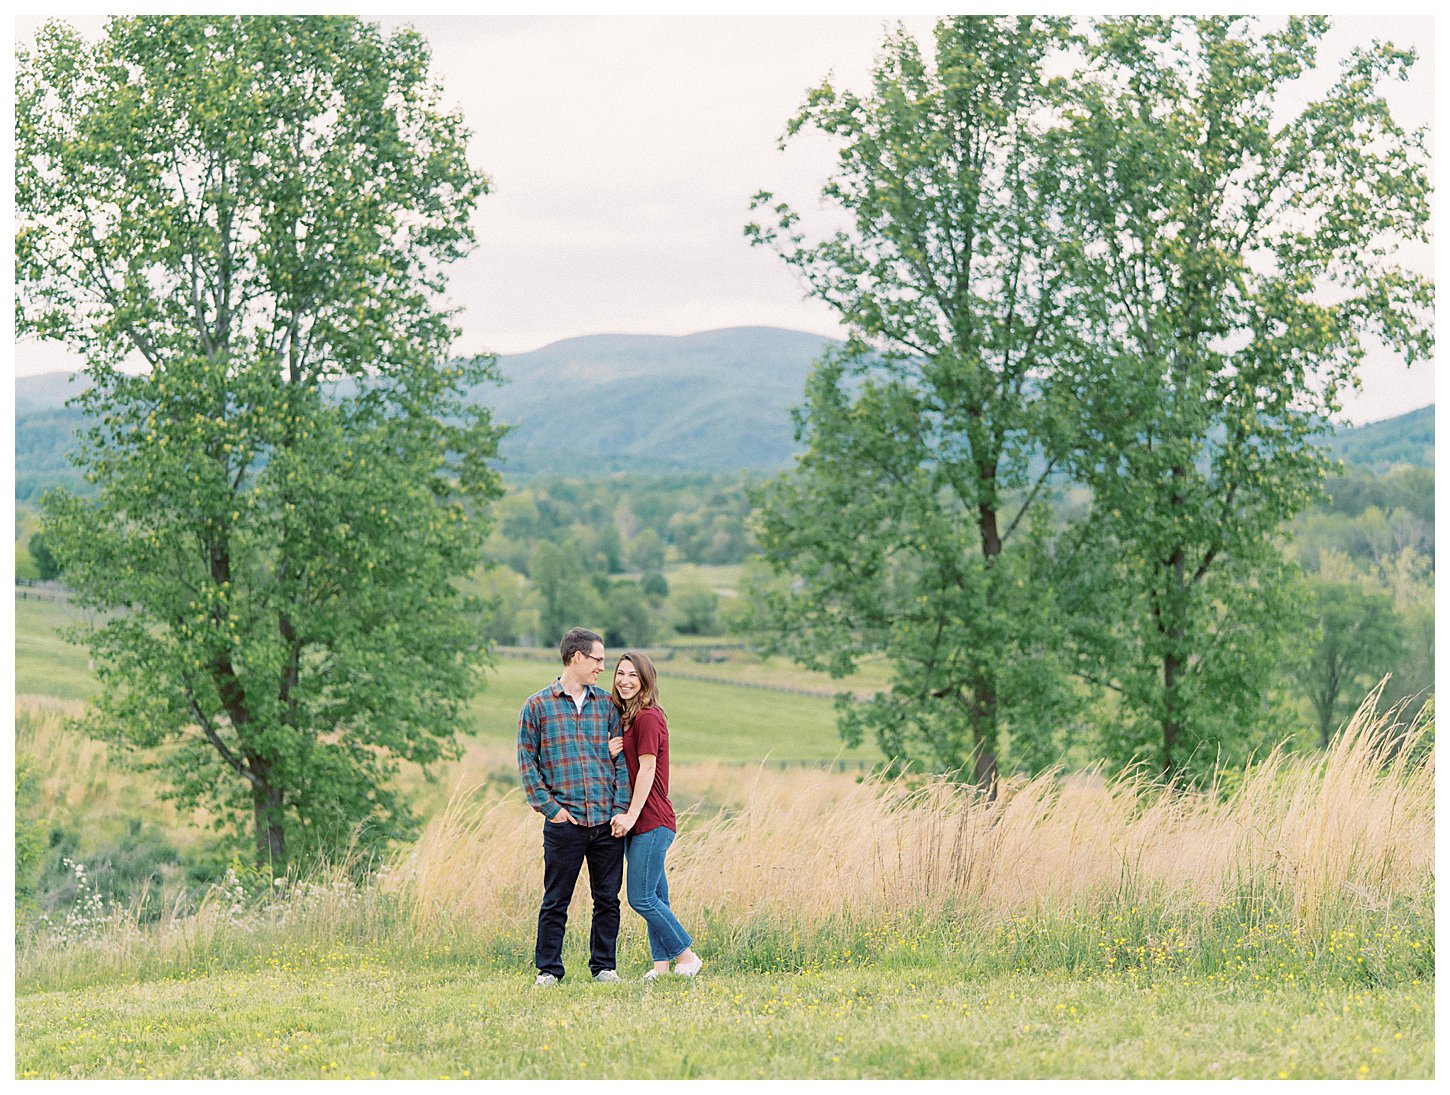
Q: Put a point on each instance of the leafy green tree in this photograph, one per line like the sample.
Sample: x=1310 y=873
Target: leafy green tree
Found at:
x=44 y=559
x=653 y=585
x=1359 y=640
x=512 y=606
x=610 y=546
x=259 y=211
x=647 y=551
x=567 y=598
x=1413 y=680
x=628 y=618
x=1228 y=256
x=914 y=520
x=693 y=604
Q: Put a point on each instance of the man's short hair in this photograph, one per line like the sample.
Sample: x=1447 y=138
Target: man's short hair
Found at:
x=579 y=640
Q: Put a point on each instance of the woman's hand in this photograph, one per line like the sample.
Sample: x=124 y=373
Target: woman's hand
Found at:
x=616 y=746
x=620 y=824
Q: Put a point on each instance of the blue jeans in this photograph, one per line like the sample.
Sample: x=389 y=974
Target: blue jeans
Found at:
x=649 y=893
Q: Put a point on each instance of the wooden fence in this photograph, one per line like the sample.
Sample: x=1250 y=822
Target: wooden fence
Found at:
x=29 y=589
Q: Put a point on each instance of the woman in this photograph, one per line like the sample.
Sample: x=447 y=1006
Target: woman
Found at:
x=650 y=820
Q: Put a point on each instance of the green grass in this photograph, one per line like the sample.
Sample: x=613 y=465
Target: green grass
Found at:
x=708 y=721
x=45 y=664
x=718 y=576
x=872 y=674
x=335 y=1011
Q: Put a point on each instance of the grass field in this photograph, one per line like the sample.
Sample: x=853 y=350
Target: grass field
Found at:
x=350 y=1013
x=1096 y=926
x=708 y=721
x=45 y=664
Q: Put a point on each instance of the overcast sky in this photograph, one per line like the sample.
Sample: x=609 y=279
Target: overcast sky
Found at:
x=623 y=152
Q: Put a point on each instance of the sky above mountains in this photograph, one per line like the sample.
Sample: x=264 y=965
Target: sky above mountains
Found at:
x=623 y=152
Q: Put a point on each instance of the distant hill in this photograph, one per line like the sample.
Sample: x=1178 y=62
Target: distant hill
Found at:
x=716 y=401
x=1379 y=446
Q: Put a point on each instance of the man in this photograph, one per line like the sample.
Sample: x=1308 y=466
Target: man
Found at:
x=570 y=778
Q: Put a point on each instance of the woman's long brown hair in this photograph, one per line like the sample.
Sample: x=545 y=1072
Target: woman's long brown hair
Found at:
x=649 y=691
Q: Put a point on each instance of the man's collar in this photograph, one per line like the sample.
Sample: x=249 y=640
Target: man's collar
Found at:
x=560 y=690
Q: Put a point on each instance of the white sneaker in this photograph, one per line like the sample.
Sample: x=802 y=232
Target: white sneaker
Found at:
x=652 y=975
x=689 y=971
x=545 y=981
x=606 y=976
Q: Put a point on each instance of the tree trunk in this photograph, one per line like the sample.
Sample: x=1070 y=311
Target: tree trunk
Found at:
x=1172 y=727
x=267 y=812
x=1172 y=662
x=984 y=734
x=984 y=684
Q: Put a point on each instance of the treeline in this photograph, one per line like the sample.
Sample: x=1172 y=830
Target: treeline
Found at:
x=566 y=550
x=44 y=441
x=1367 y=553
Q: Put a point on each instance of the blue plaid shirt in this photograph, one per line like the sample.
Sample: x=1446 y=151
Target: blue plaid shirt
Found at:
x=564 y=755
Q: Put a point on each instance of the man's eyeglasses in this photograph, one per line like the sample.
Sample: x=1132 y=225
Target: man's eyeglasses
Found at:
x=595 y=658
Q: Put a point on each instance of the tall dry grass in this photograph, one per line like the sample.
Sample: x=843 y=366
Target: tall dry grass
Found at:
x=89 y=785
x=1324 y=858
x=1312 y=837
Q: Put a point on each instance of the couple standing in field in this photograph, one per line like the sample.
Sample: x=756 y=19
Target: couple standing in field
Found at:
x=597 y=766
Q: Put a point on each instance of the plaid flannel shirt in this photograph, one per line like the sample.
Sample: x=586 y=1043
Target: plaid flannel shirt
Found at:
x=564 y=755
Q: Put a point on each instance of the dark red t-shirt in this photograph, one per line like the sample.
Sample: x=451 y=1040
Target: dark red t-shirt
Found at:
x=649 y=734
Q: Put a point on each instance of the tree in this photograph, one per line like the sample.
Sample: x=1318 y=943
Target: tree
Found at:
x=693 y=604
x=45 y=561
x=914 y=518
x=565 y=592
x=1227 y=262
x=512 y=606
x=653 y=585
x=629 y=622
x=259 y=211
x=1359 y=640
x=647 y=551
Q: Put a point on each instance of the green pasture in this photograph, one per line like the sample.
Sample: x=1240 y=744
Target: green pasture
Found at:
x=720 y=577
x=338 y=1011
x=708 y=720
x=45 y=664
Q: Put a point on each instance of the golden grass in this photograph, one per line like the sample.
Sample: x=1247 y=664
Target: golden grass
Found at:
x=85 y=781
x=1306 y=849
x=1351 y=827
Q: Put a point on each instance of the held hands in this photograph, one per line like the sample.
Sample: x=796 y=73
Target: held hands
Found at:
x=563 y=817
x=620 y=824
x=616 y=746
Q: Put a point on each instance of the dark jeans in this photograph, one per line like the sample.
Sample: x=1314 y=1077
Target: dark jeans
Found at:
x=566 y=848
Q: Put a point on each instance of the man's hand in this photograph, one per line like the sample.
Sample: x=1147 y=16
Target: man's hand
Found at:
x=620 y=824
x=563 y=817
x=616 y=746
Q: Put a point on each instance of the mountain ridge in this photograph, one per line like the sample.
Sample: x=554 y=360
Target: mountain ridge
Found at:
x=713 y=401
